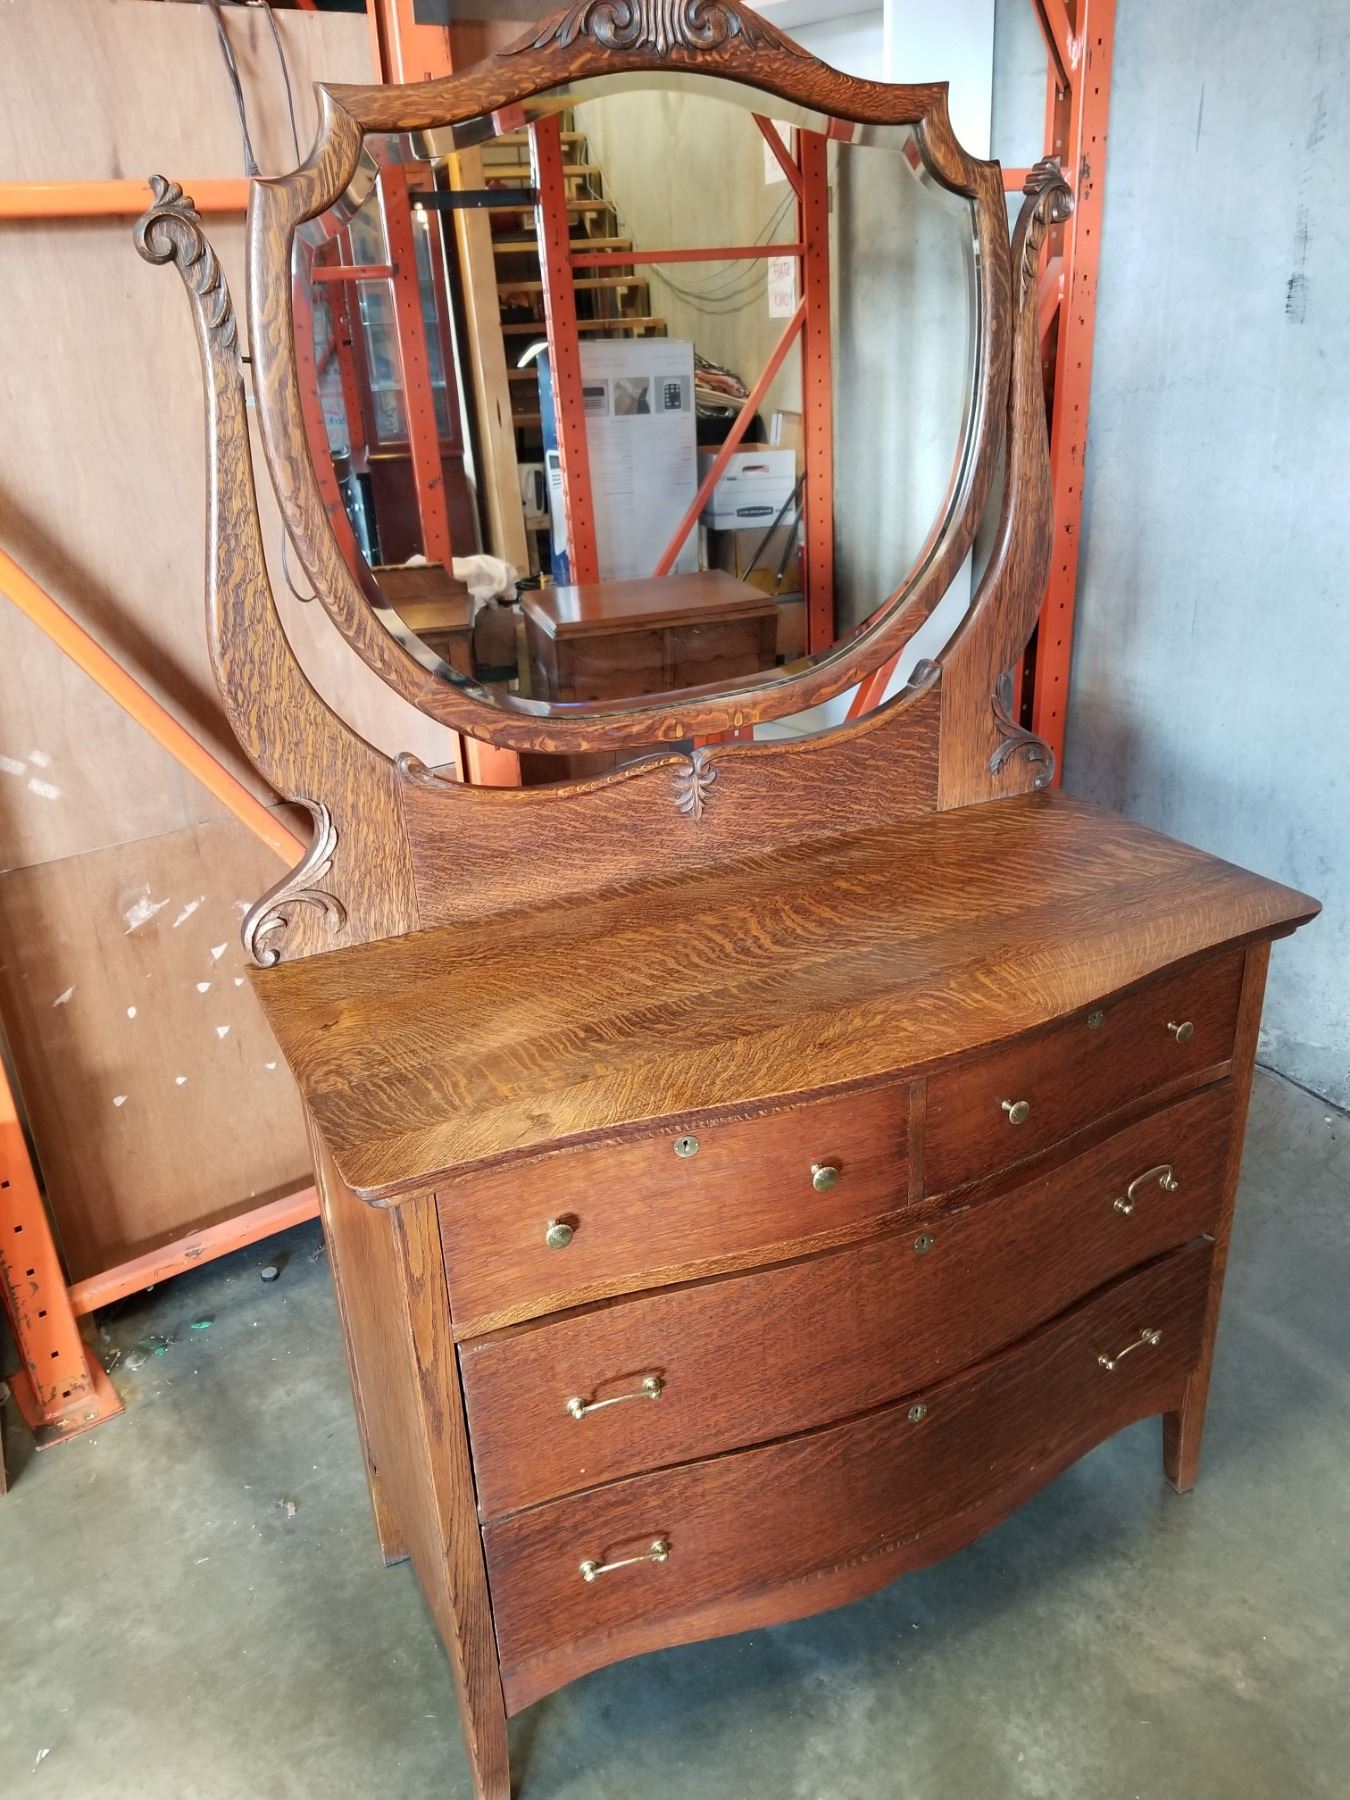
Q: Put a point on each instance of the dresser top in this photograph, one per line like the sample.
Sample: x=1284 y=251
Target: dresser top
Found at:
x=819 y=965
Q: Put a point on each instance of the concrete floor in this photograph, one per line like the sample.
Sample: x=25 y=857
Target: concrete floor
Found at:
x=192 y=1607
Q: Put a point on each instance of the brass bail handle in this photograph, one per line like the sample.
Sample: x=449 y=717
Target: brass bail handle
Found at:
x=652 y=1388
x=1161 y=1173
x=591 y=1570
x=1146 y=1336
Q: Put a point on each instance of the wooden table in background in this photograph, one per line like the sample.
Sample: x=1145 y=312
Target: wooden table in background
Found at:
x=615 y=640
x=435 y=607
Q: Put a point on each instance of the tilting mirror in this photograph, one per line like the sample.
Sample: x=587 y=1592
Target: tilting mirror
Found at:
x=638 y=390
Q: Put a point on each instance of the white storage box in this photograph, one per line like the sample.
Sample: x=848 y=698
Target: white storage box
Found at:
x=755 y=486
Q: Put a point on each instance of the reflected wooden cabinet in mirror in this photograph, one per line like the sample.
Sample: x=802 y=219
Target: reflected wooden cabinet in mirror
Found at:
x=752 y=1170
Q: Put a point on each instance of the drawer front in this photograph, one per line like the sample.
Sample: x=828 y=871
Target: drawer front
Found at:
x=642 y=1214
x=1017 y=1100
x=900 y=1483
x=668 y=1377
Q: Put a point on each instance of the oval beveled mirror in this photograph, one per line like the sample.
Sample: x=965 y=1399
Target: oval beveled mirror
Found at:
x=735 y=357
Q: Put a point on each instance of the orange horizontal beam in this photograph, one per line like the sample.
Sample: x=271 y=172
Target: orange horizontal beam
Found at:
x=615 y=259
x=142 y=706
x=107 y=199
x=198 y=1247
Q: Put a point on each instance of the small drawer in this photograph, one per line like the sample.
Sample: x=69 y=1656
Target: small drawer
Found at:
x=789 y=1527
x=576 y=1225
x=1017 y=1100
x=636 y=1384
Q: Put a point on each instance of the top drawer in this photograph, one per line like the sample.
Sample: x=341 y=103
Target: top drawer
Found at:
x=576 y=1225
x=1017 y=1100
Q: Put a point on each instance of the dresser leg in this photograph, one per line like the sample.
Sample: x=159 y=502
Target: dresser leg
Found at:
x=1182 y=1434
x=1184 y=1429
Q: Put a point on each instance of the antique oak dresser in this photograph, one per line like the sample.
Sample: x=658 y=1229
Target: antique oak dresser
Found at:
x=750 y=1173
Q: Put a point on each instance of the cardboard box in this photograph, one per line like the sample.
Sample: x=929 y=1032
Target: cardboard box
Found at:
x=755 y=486
x=734 y=550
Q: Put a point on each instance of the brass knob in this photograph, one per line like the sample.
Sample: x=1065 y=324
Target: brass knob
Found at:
x=1184 y=1032
x=559 y=1234
x=824 y=1176
x=1018 y=1111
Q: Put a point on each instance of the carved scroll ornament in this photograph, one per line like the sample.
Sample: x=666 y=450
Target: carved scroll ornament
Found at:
x=273 y=912
x=170 y=230
x=1016 y=738
x=660 y=26
x=1045 y=184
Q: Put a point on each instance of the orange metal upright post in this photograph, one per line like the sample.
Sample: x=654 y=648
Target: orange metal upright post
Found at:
x=311 y=407
x=564 y=350
x=1077 y=113
x=60 y=1386
x=419 y=402
x=813 y=213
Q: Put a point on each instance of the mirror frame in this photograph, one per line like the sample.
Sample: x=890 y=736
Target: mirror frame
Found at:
x=590 y=40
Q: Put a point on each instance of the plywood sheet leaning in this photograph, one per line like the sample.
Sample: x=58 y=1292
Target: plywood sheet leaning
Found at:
x=101 y=478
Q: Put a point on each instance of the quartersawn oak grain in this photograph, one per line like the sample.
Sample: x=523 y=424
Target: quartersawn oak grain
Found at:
x=826 y=964
x=1089 y=1067
x=762 y=1534
x=642 y=1215
x=834 y=1334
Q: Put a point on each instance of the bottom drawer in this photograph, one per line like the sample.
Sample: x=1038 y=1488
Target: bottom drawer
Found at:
x=792 y=1527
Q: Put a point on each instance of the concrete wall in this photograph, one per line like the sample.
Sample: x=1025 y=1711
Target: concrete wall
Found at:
x=1208 y=695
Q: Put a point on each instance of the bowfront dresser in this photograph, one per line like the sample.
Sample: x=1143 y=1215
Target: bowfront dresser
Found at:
x=751 y=1173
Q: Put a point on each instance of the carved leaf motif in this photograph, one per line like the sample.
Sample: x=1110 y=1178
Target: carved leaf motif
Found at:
x=171 y=231
x=272 y=913
x=692 y=784
x=1017 y=738
x=693 y=26
x=1051 y=204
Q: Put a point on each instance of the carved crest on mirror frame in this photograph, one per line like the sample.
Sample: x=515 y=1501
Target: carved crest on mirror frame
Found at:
x=660 y=26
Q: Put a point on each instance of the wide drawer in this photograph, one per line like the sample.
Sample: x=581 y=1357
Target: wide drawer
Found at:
x=787 y=1528
x=1015 y=1101
x=635 y=1384
x=578 y=1224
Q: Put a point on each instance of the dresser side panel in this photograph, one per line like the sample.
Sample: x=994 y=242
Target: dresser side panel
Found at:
x=397 y=1321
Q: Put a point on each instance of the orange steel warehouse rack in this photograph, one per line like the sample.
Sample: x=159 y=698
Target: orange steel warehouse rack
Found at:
x=1078 y=40
x=61 y=1388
